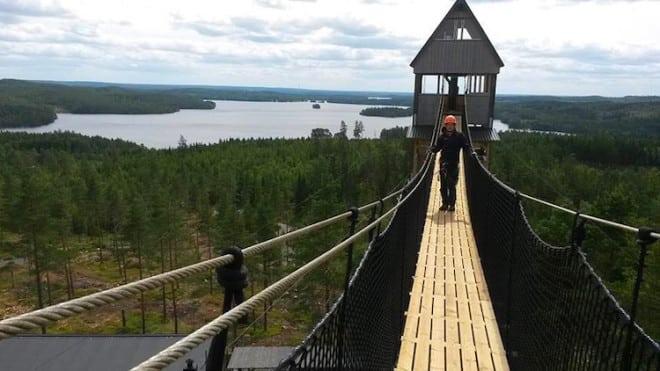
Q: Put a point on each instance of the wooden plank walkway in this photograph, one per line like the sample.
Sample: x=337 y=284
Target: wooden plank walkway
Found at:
x=450 y=323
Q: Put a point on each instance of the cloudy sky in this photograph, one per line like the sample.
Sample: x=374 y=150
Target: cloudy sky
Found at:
x=568 y=47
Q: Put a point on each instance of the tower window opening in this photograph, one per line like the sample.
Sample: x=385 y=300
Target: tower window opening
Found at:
x=430 y=84
x=460 y=31
x=478 y=84
x=463 y=34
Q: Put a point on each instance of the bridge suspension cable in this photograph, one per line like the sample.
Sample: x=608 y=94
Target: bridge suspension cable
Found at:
x=588 y=217
x=511 y=190
x=553 y=309
x=13 y=326
x=185 y=345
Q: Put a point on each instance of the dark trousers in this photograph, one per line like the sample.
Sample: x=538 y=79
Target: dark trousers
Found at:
x=448 y=180
x=232 y=295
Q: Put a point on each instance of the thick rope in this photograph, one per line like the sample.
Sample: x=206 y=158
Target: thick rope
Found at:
x=185 y=345
x=11 y=327
x=23 y=323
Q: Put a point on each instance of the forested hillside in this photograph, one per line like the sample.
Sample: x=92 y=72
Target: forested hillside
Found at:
x=387 y=112
x=25 y=104
x=81 y=214
x=613 y=177
x=629 y=116
x=295 y=95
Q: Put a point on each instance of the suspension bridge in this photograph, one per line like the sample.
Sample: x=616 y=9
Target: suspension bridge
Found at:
x=474 y=289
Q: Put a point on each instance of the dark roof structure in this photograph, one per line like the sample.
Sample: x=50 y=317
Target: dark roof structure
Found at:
x=483 y=134
x=476 y=54
x=419 y=132
x=258 y=357
x=88 y=352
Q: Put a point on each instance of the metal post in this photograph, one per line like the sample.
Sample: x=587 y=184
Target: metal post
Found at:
x=355 y=214
x=579 y=232
x=190 y=365
x=578 y=235
x=380 y=213
x=233 y=277
x=576 y=219
x=644 y=239
x=372 y=218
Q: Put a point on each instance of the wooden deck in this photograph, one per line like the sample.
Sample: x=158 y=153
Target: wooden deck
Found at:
x=450 y=323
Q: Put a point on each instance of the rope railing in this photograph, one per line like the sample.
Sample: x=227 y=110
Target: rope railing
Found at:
x=23 y=323
x=185 y=345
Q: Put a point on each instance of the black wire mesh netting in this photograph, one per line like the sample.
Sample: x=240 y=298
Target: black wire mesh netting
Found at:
x=553 y=310
x=363 y=329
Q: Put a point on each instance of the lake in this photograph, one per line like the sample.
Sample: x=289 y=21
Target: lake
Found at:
x=229 y=119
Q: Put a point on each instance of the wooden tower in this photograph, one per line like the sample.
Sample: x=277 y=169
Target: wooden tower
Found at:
x=457 y=67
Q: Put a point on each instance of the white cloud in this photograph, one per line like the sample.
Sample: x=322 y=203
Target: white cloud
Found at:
x=548 y=46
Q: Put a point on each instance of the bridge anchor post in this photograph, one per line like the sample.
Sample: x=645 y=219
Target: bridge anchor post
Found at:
x=512 y=262
x=233 y=278
x=644 y=240
x=355 y=214
x=579 y=231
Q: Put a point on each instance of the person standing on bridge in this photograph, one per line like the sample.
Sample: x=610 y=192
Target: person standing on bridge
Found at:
x=450 y=143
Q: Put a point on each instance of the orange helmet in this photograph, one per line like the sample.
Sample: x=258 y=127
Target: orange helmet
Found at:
x=450 y=119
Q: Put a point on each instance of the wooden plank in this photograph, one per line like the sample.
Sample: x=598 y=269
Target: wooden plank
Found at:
x=480 y=336
x=468 y=271
x=416 y=296
x=451 y=308
x=484 y=353
x=422 y=353
x=463 y=311
x=438 y=323
x=410 y=328
x=452 y=334
x=461 y=288
x=420 y=270
x=494 y=338
x=437 y=356
x=450 y=323
x=465 y=332
x=453 y=357
x=500 y=362
x=424 y=328
x=406 y=355
x=469 y=359
x=439 y=288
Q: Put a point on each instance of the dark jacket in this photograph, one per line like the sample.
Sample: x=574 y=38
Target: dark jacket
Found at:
x=232 y=279
x=450 y=144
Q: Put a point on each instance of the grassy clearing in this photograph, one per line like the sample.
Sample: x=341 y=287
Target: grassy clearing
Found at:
x=287 y=321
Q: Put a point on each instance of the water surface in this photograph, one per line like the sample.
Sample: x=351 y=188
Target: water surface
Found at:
x=229 y=119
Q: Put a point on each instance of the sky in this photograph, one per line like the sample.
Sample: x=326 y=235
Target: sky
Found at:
x=554 y=47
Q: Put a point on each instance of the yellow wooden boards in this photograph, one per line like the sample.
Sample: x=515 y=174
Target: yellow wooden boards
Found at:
x=450 y=323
